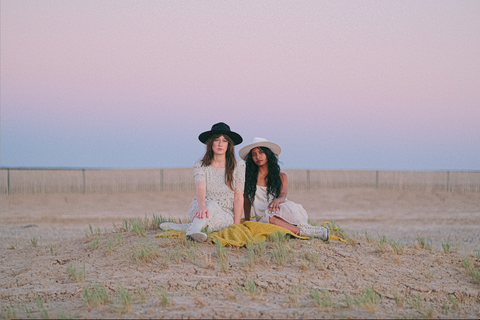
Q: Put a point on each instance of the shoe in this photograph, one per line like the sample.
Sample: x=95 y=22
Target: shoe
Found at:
x=175 y=226
x=194 y=230
x=317 y=232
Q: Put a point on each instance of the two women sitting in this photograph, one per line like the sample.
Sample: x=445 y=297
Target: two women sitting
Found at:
x=220 y=181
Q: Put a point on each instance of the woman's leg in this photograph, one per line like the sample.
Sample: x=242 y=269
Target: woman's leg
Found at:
x=284 y=224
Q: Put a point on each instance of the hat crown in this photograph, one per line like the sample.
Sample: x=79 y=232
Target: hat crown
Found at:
x=258 y=139
x=220 y=127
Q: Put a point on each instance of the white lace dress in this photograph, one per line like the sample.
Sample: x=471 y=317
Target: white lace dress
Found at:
x=290 y=211
x=218 y=197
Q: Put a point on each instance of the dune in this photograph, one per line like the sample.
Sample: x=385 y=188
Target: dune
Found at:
x=410 y=254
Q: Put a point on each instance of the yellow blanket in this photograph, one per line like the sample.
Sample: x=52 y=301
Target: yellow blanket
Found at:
x=241 y=234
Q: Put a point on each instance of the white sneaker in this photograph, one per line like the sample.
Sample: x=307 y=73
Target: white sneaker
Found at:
x=175 y=226
x=195 y=228
x=311 y=231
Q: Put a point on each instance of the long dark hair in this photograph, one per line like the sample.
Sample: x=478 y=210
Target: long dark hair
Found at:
x=274 y=182
x=229 y=156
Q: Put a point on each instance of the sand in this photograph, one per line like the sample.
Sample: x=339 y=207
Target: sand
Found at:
x=191 y=275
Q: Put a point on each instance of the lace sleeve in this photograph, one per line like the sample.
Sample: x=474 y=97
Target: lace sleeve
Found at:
x=198 y=171
x=239 y=176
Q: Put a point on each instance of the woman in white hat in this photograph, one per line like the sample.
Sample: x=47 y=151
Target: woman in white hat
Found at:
x=219 y=181
x=266 y=191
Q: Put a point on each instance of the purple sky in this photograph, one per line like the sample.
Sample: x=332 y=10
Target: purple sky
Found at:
x=339 y=85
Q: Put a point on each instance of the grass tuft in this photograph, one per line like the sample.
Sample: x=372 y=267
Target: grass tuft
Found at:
x=399 y=299
x=251 y=287
x=144 y=252
x=222 y=255
x=397 y=247
x=471 y=271
x=75 y=274
x=324 y=300
x=369 y=300
x=416 y=302
x=109 y=245
x=92 y=233
x=163 y=296
x=11 y=313
x=141 y=294
x=124 y=300
x=34 y=242
x=95 y=296
x=41 y=308
x=446 y=246
x=454 y=301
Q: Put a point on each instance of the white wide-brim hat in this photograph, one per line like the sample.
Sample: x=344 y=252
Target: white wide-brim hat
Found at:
x=259 y=142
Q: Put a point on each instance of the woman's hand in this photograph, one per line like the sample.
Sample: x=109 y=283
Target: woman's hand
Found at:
x=202 y=212
x=274 y=206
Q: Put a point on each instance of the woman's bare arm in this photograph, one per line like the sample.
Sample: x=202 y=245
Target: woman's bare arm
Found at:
x=247 y=207
x=237 y=206
x=274 y=206
x=200 y=191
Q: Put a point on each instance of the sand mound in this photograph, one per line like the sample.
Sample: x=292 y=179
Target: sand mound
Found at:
x=169 y=278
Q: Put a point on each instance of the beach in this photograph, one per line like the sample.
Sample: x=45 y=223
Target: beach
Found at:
x=367 y=277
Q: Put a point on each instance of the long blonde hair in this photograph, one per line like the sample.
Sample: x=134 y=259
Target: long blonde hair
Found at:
x=230 y=162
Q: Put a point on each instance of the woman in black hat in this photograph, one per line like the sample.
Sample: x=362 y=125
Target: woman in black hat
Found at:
x=219 y=182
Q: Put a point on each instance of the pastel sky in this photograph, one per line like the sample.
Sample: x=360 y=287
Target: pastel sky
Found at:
x=392 y=85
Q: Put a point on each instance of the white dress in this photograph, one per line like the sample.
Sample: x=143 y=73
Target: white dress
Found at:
x=290 y=211
x=218 y=197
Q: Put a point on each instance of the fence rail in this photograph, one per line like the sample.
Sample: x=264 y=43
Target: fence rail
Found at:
x=42 y=181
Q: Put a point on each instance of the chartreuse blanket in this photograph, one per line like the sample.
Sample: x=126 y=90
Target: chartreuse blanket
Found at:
x=240 y=235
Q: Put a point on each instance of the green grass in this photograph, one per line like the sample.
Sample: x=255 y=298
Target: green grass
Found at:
x=454 y=301
x=471 y=271
x=11 y=313
x=421 y=241
x=335 y=230
x=397 y=247
x=34 y=242
x=41 y=307
x=222 y=255
x=95 y=296
x=123 y=301
x=369 y=300
x=251 y=287
x=76 y=274
x=109 y=245
x=280 y=253
x=348 y=301
x=323 y=299
x=91 y=233
x=416 y=302
x=141 y=294
x=380 y=244
x=94 y=243
x=144 y=252
x=163 y=296
x=399 y=299
x=13 y=245
x=446 y=246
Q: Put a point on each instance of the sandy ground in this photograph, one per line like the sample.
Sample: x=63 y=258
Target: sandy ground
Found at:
x=195 y=284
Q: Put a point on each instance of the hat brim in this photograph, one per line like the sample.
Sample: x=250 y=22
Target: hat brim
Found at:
x=243 y=153
x=236 y=138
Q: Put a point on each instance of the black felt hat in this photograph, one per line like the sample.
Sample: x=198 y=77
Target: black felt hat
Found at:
x=220 y=128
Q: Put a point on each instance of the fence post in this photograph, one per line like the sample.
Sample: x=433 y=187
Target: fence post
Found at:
x=161 y=179
x=308 y=179
x=8 y=181
x=448 y=181
x=84 y=184
x=376 y=179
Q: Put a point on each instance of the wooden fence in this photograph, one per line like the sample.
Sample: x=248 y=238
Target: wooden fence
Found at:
x=38 y=181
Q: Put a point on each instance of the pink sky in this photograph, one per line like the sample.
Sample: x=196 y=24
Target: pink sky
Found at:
x=343 y=85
